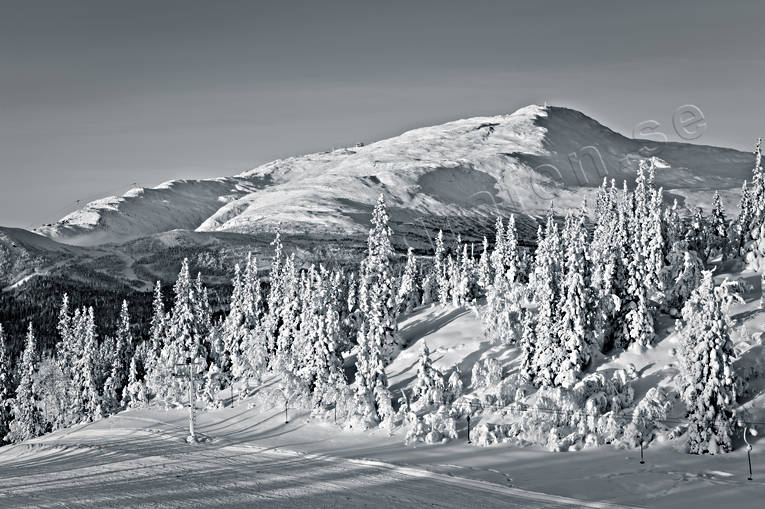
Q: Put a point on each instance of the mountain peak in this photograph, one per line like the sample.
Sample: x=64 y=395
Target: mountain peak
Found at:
x=475 y=168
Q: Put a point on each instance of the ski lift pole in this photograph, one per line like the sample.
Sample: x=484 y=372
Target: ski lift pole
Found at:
x=748 y=453
x=191 y=402
x=190 y=371
x=474 y=405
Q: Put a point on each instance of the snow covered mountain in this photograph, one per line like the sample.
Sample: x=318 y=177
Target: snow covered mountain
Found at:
x=474 y=168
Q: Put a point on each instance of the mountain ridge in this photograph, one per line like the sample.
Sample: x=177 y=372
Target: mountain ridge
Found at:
x=475 y=168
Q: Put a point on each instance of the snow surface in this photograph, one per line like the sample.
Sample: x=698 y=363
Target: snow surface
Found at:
x=249 y=457
x=476 y=167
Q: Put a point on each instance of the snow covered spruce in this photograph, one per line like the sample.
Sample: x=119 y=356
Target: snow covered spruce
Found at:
x=320 y=338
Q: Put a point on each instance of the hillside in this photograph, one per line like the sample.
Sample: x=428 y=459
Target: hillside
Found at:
x=467 y=170
x=250 y=456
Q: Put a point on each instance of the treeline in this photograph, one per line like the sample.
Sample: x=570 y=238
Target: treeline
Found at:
x=38 y=301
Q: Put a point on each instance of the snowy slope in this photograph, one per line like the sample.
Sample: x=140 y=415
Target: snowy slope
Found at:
x=179 y=204
x=251 y=458
x=25 y=254
x=474 y=168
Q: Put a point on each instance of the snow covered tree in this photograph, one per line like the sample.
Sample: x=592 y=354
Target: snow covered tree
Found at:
x=500 y=320
x=641 y=267
x=67 y=354
x=606 y=263
x=429 y=289
x=697 y=235
x=499 y=253
x=545 y=284
x=468 y=280
x=350 y=314
x=371 y=394
x=645 y=227
x=66 y=348
x=454 y=386
x=407 y=296
x=186 y=338
x=317 y=345
x=377 y=298
x=638 y=326
x=512 y=259
x=656 y=244
x=440 y=272
x=528 y=341
x=202 y=311
x=121 y=358
x=707 y=360
x=255 y=354
x=673 y=226
x=69 y=359
x=27 y=420
x=6 y=382
x=89 y=371
x=604 y=202
x=378 y=334
x=429 y=385
x=484 y=267
x=233 y=330
x=718 y=229
x=272 y=320
x=424 y=380
x=286 y=357
x=158 y=329
x=453 y=276
x=744 y=220
x=187 y=318
x=574 y=327
x=681 y=276
x=503 y=296
x=332 y=384
x=252 y=301
x=135 y=394
x=244 y=354
x=245 y=336
x=486 y=374
x=752 y=219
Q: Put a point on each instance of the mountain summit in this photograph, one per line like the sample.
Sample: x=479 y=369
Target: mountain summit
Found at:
x=472 y=168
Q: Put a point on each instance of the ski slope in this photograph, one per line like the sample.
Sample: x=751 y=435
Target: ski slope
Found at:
x=249 y=456
x=133 y=467
x=253 y=459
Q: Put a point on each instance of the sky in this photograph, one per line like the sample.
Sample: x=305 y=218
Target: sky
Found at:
x=99 y=96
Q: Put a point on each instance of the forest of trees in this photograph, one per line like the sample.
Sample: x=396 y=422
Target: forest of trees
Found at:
x=593 y=284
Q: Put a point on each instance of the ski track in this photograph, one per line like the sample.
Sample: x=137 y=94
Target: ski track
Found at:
x=149 y=469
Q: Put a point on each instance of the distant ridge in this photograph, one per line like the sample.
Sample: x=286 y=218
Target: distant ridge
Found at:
x=471 y=168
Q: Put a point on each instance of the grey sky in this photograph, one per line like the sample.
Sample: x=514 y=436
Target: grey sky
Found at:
x=97 y=95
